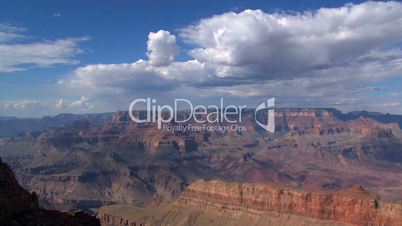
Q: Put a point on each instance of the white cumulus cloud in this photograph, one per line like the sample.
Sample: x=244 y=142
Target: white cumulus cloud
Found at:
x=283 y=45
x=83 y=102
x=162 y=48
x=60 y=104
x=159 y=73
x=325 y=57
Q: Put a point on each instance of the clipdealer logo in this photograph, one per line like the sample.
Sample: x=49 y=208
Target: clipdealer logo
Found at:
x=210 y=117
x=269 y=105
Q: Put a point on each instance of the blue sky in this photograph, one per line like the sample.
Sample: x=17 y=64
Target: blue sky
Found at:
x=83 y=49
x=119 y=30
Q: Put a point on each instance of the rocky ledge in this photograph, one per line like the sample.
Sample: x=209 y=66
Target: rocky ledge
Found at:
x=224 y=203
x=353 y=206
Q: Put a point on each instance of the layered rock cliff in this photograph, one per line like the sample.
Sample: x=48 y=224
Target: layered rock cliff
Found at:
x=351 y=206
x=223 y=203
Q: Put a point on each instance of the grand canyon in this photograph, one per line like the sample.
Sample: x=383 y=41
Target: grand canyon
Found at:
x=318 y=165
x=201 y=113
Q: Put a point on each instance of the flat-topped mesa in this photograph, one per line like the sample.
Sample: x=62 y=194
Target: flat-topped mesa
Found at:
x=351 y=206
x=328 y=122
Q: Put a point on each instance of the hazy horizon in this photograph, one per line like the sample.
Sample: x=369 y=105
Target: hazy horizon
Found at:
x=82 y=59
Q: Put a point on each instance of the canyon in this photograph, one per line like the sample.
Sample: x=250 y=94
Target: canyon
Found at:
x=91 y=161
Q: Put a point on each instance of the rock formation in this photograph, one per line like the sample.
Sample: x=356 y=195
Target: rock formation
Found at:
x=18 y=207
x=223 y=203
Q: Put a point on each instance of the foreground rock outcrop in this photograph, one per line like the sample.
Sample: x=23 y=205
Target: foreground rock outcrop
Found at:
x=18 y=207
x=223 y=203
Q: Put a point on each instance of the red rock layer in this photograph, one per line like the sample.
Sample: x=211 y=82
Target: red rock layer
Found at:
x=352 y=206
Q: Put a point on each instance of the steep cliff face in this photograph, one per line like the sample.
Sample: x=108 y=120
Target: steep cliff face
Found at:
x=20 y=208
x=222 y=203
x=351 y=206
x=13 y=198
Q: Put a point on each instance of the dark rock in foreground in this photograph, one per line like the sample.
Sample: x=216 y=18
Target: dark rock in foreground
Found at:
x=18 y=207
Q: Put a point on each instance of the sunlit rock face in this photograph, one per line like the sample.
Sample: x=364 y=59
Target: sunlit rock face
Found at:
x=231 y=203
